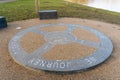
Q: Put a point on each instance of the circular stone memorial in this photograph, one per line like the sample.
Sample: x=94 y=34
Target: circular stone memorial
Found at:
x=60 y=47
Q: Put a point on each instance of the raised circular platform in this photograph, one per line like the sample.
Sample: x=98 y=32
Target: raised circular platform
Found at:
x=60 y=47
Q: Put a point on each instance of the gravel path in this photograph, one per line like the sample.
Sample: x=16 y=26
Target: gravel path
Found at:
x=4 y=1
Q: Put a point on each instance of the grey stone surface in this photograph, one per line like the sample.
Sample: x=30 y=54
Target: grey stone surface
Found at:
x=35 y=60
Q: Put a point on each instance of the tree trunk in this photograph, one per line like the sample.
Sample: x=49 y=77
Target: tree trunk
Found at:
x=37 y=5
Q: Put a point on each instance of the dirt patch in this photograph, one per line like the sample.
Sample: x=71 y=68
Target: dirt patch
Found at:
x=32 y=41
x=85 y=35
x=54 y=28
x=69 y=52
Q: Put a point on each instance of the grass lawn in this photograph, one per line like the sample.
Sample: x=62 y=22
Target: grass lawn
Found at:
x=25 y=9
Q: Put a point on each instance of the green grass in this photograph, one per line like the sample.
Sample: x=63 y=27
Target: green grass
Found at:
x=25 y=9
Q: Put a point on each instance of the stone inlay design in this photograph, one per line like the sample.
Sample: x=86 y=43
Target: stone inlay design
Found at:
x=36 y=61
x=85 y=35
